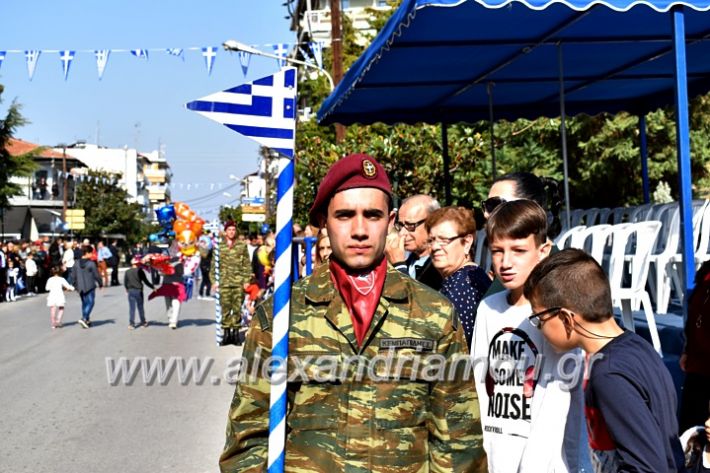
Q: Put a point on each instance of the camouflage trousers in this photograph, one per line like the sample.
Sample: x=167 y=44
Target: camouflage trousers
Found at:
x=231 y=300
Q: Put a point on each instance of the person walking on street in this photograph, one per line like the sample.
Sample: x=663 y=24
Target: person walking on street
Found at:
x=103 y=255
x=113 y=262
x=68 y=260
x=357 y=307
x=56 y=301
x=31 y=273
x=86 y=278
x=133 y=280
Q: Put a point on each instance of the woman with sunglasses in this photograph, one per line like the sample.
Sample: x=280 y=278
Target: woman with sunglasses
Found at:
x=525 y=185
x=452 y=234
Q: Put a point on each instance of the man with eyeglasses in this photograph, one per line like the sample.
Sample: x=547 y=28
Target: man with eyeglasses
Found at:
x=409 y=251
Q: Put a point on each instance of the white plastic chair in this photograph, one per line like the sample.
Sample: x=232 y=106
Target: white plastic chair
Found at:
x=666 y=248
x=564 y=239
x=617 y=215
x=702 y=253
x=604 y=215
x=639 y=213
x=625 y=295
x=590 y=216
x=677 y=279
x=593 y=240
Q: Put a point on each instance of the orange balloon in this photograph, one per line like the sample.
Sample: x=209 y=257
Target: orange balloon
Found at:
x=196 y=226
x=179 y=207
x=186 y=214
x=180 y=226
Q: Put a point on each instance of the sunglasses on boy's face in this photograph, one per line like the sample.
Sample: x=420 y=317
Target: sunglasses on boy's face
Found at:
x=537 y=319
x=490 y=204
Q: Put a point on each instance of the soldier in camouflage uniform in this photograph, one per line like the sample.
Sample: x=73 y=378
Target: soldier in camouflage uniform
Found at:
x=342 y=418
x=234 y=271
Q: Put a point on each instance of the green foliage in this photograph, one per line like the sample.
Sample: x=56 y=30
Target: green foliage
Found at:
x=12 y=166
x=107 y=210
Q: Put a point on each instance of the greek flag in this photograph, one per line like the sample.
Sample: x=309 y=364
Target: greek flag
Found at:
x=140 y=53
x=209 y=53
x=281 y=50
x=32 y=56
x=101 y=60
x=66 y=57
x=264 y=110
x=2 y=57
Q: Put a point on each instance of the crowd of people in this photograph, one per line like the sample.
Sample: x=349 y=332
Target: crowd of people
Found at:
x=403 y=281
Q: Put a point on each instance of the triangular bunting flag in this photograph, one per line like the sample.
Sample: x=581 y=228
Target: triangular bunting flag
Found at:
x=32 y=57
x=66 y=57
x=209 y=53
x=306 y=57
x=179 y=52
x=140 y=53
x=2 y=57
x=244 y=60
x=317 y=48
x=281 y=50
x=264 y=110
x=101 y=60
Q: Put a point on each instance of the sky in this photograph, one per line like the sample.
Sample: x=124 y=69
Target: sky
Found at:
x=139 y=103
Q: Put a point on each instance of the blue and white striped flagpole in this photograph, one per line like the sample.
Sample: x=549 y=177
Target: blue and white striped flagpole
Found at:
x=282 y=299
x=265 y=110
x=219 y=331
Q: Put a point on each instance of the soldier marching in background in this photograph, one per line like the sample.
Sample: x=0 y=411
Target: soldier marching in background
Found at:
x=234 y=271
x=357 y=307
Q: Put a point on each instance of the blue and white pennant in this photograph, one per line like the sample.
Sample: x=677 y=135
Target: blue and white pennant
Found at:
x=210 y=53
x=32 y=57
x=66 y=57
x=101 y=60
x=264 y=110
x=2 y=57
x=281 y=50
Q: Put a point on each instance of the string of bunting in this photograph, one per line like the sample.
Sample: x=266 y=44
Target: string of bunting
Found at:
x=312 y=54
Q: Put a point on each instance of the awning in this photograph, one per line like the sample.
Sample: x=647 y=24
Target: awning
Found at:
x=435 y=61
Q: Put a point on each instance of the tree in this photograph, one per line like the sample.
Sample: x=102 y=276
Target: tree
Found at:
x=13 y=166
x=107 y=209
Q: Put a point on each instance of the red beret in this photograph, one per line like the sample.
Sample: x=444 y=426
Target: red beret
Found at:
x=229 y=223
x=354 y=170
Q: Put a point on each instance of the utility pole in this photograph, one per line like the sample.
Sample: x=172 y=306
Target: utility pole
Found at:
x=336 y=43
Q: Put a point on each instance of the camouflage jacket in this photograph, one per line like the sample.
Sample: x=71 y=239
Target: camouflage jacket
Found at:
x=339 y=421
x=234 y=265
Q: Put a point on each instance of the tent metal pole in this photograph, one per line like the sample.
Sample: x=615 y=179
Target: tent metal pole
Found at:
x=644 y=160
x=489 y=90
x=447 y=164
x=563 y=134
x=683 y=149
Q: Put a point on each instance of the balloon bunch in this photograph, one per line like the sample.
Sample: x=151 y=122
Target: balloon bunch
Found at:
x=178 y=221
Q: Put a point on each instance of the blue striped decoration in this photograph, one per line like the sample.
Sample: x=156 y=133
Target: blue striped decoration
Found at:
x=219 y=332
x=282 y=300
x=265 y=110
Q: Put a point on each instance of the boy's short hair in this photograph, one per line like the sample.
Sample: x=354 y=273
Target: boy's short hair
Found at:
x=574 y=280
x=518 y=219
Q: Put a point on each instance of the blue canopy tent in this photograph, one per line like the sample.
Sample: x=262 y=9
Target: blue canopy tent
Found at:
x=449 y=61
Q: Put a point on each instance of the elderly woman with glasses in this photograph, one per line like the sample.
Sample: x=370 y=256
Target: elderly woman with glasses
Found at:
x=452 y=234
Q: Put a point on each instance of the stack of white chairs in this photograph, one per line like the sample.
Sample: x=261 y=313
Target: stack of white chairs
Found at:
x=594 y=240
x=564 y=239
x=632 y=244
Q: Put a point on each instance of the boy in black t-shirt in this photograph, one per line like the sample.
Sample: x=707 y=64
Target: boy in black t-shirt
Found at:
x=630 y=400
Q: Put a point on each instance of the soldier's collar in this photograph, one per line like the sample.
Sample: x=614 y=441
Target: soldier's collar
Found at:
x=321 y=289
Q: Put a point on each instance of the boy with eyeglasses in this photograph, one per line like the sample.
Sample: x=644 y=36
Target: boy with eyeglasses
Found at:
x=630 y=401
x=530 y=412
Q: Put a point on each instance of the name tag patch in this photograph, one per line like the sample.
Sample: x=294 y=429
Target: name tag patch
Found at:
x=419 y=344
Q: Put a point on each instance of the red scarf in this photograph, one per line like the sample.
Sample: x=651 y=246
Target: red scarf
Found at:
x=360 y=292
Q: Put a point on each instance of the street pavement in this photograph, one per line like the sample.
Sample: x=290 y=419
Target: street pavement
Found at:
x=61 y=414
